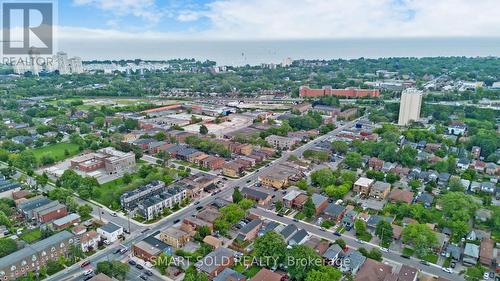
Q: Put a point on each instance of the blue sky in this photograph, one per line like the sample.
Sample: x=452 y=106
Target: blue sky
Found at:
x=278 y=19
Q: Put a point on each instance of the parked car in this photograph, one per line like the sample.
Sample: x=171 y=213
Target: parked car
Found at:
x=106 y=242
x=145 y=230
x=385 y=250
x=138 y=266
x=176 y=221
x=486 y=276
x=88 y=272
x=117 y=251
x=149 y=273
x=113 y=214
x=337 y=234
x=295 y=220
x=199 y=208
x=447 y=270
x=424 y=262
x=84 y=264
x=143 y=277
x=131 y=262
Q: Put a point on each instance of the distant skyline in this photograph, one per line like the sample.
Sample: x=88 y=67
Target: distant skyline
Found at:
x=106 y=29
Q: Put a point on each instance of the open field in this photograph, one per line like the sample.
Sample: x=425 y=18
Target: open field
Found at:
x=56 y=150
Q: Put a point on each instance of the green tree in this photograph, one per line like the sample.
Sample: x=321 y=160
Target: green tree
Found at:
x=7 y=246
x=4 y=220
x=324 y=273
x=421 y=237
x=309 y=208
x=353 y=160
x=237 y=196
x=203 y=130
x=53 y=267
x=84 y=211
x=383 y=230
x=271 y=245
x=340 y=147
x=299 y=270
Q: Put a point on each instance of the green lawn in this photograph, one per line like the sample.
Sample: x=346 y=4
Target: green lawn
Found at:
x=56 y=150
x=109 y=193
x=32 y=236
x=431 y=257
x=408 y=252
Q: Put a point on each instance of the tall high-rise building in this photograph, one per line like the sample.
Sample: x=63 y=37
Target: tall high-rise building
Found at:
x=75 y=65
x=409 y=109
x=62 y=63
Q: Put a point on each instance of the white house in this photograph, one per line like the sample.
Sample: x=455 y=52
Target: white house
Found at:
x=89 y=240
x=110 y=231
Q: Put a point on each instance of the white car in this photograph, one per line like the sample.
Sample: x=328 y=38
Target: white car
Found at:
x=88 y=272
x=447 y=270
x=360 y=241
x=385 y=250
x=107 y=242
x=486 y=276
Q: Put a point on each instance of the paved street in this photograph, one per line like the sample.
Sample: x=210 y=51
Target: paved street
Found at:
x=351 y=242
x=135 y=236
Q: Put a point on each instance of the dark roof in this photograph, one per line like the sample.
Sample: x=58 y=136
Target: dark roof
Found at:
x=332 y=252
x=334 y=210
x=289 y=230
x=298 y=236
x=254 y=193
x=375 y=219
x=110 y=227
x=250 y=226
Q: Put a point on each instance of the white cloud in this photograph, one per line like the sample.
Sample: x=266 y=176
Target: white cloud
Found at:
x=297 y=19
x=145 y=9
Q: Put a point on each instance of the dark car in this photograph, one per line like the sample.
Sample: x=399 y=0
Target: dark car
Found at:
x=149 y=273
x=85 y=263
x=337 y=234
x=144 y=230
x=197 y=202
x=143 y=277
x=138 y=266
x=295 y=220
x=280 y=215
x=126 y=231
x=117 y=251
x=405 y=256
x=424 y=262
x=176 y=221
x=131 y=262
x=88 y=277
x=199 y=208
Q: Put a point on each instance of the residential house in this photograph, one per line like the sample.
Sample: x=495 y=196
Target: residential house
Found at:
x=229 y=274
x=426 y=199
x=375 y=163
x=260 y=197
x=362 y=186
x=407 y=273
x=192 y=224
x=110 y=231
x=471 y=254
x=288 y=199
x=266 y=275
x=250 y=230
x=483 y=215
x=443 y=179
x=398 y=195
x=463 y=164
x=334 y=212
x=372 y=270
x=34 y=256
x=299 y=238
x=215 y=262
x=283 y=143
x=212 y=162
x=66 y=221
x=320 y=202
x=89 y=240
x=380 y=190
x=349 y=219
x=212 y=241
x=453 y=251
x=356 y=260
x=289 y=231
x=145 y=251
x=174 y=237
x=375 y=219
x=232 y=169
x=332 y=254
x=486 y=252
x=209 y=215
